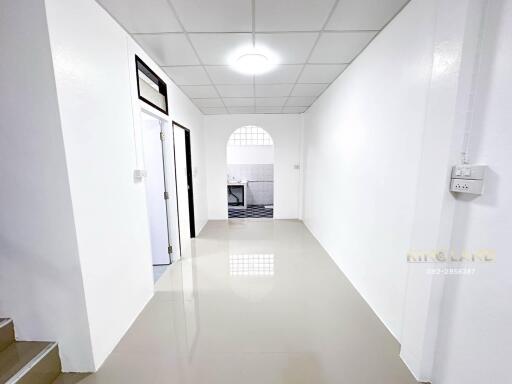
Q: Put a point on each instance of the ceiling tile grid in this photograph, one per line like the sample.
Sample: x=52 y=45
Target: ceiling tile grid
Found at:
x=208 y=103
x=241 y=110
x=272 y=90
x=239 y=102
x=149 y=16
x=236 y=90
x=225 y=75
x=200 y=91
x=194 y=41
x=163 y=48
x=216 y=48
x=291 y=48
x=188 y=75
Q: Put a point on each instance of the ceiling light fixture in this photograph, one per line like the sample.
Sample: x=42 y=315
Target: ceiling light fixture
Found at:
x=253 y=61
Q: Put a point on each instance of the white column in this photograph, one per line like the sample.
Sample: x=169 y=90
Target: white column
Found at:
x=456 y=38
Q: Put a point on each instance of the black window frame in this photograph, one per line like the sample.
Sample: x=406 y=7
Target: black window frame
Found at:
x=162 y=86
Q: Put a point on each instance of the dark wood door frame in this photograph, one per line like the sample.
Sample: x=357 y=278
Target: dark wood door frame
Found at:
x=190 y=184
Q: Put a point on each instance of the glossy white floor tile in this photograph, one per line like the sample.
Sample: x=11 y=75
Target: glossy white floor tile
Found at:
x=158 y=271
x=255 y=302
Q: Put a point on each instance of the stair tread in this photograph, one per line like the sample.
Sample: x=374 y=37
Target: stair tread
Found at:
x=70 y=378
x=17 y=355
x=6 y=333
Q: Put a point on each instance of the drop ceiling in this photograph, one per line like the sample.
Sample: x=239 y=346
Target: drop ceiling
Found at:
x=192 y=40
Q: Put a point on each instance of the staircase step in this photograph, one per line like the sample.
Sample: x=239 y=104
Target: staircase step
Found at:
x=6 y=333
x=70 y=378
x=29 y=362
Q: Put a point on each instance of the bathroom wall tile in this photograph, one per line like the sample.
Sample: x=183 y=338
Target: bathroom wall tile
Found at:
x=260 y=190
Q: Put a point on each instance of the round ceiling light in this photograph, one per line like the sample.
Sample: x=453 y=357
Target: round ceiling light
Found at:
x=253 y=62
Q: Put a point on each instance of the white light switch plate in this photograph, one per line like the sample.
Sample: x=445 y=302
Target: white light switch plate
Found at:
x=474 y=187
x=466 y=171
x=139 y=175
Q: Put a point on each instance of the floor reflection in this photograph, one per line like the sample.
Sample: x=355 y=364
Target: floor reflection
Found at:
x=251 y=265
x=189 y=302
x=255 y=302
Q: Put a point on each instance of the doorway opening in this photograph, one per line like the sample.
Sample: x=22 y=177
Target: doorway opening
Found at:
x=184 y=185
x=156 y=184
x=250 y=173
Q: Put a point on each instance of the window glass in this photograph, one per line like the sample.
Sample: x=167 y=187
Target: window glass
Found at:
x=250 y=135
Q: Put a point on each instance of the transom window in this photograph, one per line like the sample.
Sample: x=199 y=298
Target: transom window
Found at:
x=152 y=89
x=250 y=135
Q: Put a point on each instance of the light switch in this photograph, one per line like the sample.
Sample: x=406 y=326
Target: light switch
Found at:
x=466 y=171
x=468 y=179
x=139 y=175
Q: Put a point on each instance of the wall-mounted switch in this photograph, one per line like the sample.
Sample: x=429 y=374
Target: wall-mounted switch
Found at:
x=468 y=179
x=473 y=172
x=139 y=175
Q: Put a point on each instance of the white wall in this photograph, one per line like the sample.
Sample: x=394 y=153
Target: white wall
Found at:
x=475 y=342
x=100 y=116
x=285 y=131
x=183 y=112
x=250 y=154
x=455 y=46
x=362 y=142
x=41 y=285
x=110 y=212
x=79 y=247
x=390 y=128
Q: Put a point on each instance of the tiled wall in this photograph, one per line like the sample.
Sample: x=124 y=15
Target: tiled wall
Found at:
x=260 y=177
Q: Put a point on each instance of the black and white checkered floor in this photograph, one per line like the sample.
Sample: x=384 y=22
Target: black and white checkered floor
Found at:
x=252 y=211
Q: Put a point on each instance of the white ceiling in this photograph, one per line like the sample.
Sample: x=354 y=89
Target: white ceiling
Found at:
x=192 y=40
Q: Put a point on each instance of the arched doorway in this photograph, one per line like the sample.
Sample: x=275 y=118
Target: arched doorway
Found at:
x=250 y=173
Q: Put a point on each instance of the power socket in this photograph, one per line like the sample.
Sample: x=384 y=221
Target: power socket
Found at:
x=474 y=187
x=468 y=178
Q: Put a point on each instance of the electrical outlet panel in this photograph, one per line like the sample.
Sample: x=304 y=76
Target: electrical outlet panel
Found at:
x=474 y=187
x=468 y=179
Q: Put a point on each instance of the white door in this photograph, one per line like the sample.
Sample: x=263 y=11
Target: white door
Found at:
x=182 y=187
x=155 y=188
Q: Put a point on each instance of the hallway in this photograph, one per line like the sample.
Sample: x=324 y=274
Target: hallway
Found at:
x=257 y=302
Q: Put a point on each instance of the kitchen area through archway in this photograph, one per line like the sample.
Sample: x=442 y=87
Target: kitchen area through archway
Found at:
x=250 y=173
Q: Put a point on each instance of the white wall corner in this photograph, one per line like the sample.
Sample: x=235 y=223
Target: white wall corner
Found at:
x=453 y=71
x=302 y=164
x=41 y=276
